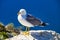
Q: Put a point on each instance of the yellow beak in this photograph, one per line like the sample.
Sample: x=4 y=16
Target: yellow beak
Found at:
x=18 y=13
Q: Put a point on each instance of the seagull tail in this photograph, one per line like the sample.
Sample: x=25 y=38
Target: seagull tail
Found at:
x=44 y=24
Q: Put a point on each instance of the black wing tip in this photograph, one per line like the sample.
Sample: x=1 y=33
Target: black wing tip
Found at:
x=44 y=24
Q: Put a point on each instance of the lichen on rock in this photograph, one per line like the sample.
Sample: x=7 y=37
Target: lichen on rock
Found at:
x=8 y=31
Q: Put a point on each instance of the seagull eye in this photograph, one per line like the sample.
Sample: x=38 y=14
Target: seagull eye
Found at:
x=22 y=11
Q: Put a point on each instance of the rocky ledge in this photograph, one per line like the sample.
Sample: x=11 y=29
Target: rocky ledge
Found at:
x=9 y=32
x=38 y=35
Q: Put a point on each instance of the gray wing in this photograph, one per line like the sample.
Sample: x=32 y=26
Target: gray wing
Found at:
x=33 y=20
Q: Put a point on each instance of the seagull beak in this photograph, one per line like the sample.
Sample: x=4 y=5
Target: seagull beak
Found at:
x=18 y=13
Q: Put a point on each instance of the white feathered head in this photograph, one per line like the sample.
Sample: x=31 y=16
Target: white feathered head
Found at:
x=22 y=12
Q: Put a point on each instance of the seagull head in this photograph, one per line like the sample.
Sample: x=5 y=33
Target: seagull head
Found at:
x=22 y=12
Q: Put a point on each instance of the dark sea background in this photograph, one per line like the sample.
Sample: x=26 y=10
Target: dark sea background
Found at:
x=46 y=10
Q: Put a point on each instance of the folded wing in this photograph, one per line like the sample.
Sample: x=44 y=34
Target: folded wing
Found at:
x=33 y=20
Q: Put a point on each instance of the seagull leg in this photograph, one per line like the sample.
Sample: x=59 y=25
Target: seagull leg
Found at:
x=26 y=33
x=28 y=28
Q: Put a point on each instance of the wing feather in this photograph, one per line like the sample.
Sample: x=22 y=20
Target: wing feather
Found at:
x=33 y=20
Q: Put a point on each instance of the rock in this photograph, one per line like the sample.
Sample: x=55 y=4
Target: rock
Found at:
x=3 y=35
x=17 y=31
x=10 y=27
x=21 y=37
x=42 y=35
x=2 y=27
x=14 y=31
x=38 y=35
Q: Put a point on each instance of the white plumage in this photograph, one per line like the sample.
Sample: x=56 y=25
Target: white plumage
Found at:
x=22 y=20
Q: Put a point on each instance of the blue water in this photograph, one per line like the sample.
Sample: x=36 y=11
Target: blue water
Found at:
x=47 y=10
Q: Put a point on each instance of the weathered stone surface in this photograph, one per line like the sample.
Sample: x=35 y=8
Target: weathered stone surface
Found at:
x=38 y=35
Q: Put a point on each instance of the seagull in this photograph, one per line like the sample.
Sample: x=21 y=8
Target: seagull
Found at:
x=28 y=20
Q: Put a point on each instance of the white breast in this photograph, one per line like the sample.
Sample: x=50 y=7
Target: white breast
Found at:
x=24 y=22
